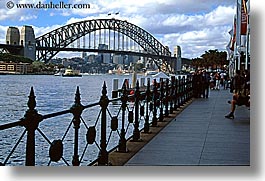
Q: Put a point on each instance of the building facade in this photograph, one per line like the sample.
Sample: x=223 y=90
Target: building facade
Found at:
x=15 y=68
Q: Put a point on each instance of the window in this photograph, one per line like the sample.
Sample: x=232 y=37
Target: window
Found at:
x=11 y=67
x=2 y=67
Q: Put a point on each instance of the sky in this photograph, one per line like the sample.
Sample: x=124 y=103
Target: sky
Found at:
x=195 y=25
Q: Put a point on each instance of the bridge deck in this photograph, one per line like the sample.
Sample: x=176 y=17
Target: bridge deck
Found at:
x=201 y=135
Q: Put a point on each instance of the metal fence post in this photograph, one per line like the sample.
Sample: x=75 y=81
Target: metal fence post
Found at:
x=166 y=99
x=190 y=87
x=104 y=101
x=124 y=99
x=136 y=132
x=76 y=110
x=184 y=90
x=172 y=94
x=161 y=115
x=180 y=91
x=176 y=101
x=154 y=119
x=31 y=122
x=147 y=98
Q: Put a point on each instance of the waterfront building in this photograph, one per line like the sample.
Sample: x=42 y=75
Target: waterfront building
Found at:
x=15 y=68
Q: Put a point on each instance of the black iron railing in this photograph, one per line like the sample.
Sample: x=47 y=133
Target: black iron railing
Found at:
x=147 y=106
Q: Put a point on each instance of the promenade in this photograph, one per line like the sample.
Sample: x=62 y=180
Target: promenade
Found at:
x=200 y=135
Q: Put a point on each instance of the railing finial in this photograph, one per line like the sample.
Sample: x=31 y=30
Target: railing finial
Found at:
x=104 y=89
x=32 y=100
x=77 y=96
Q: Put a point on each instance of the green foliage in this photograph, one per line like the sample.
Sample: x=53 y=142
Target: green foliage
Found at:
x=38 y=66
x=6 y=57
x=211 y=58
x=42 y=67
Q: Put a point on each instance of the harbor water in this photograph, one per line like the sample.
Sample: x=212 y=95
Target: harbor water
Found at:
x=54 y=93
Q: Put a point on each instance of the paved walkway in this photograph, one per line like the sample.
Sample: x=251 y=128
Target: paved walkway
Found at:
x=201 y=135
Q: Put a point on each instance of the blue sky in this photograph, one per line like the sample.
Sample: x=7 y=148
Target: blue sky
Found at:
x=195 y=25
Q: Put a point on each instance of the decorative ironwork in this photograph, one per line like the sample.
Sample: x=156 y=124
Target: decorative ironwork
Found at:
x=153 y=98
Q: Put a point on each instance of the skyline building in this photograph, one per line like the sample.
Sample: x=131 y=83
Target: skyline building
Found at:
x=106 y=57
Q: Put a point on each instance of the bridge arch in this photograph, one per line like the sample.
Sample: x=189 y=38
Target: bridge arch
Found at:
x=49 y=44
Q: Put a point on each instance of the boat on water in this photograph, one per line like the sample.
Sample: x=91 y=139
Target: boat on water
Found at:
x=58 y=74
x=71 y=73
x=151 y=72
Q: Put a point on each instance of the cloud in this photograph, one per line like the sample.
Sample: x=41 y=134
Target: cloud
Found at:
x=18 y=14
x=173 y=22
x=3 y=30
x=195 y=43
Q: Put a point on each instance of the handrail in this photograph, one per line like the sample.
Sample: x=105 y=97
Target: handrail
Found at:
x=152 y=104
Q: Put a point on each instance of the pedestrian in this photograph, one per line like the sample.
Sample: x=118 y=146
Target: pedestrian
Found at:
x=217 y=81
x=197 y=84
x=226 y=78
x=237 y=83
x=239 y=100
x=247 y=82
x=240 y=96
x=222 y=75
x=206 y=83
x=212 y=81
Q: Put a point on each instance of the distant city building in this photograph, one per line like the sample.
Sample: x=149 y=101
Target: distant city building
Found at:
x=133 y=59
x=99 y=59
x=91 y=58
x=56 y=61
x=118 y=59
x=106 y=57
x=84 y=54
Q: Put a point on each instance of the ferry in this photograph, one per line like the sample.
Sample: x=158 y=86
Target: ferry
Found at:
x=71 y=73
x=151 y=72
x=58 y=74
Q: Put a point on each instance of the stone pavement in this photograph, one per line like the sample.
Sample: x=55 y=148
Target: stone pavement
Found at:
x=201 y=135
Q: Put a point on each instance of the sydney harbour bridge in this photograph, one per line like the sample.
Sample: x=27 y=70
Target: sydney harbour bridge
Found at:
x=119 y=36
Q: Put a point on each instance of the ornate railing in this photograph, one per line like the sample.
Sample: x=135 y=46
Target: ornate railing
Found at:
x=149 y=105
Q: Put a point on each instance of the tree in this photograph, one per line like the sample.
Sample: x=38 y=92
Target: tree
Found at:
x=7 y=57
x=197 y=62
x=38 y=66
x=211 y=58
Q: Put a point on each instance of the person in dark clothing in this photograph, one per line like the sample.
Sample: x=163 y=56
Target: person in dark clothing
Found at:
x=240 y=96
x=194 y=84
x=246 y=82
x=206 y=83
x=237 y=82
x=197 y=84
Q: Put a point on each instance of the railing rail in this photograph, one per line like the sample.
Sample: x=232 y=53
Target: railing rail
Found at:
x=153 y=104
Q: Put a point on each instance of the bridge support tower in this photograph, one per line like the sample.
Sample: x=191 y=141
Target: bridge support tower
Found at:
x=25 y=38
